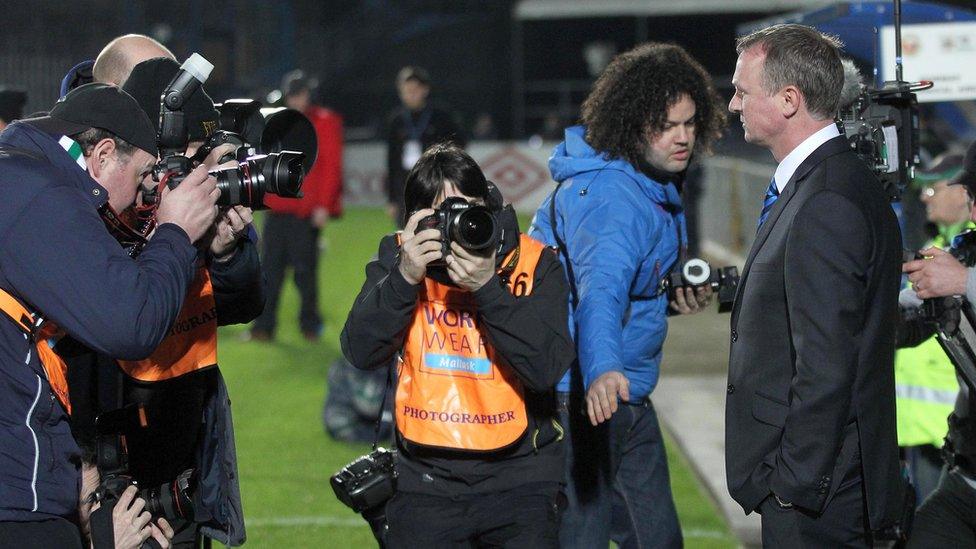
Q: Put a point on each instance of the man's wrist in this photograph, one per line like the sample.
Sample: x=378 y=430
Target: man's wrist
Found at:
x=971 y=285
x=226 y=255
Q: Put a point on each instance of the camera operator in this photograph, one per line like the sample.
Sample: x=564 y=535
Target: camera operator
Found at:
x=179 y=384
x=946 y=519
x=483 y=338
x=57 y=173
x=925 y=380
x=618 y=222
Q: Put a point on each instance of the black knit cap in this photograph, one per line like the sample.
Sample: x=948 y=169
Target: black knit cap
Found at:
x=967 y=176
x=12 y=104
x=147 y=82
x=104 y=106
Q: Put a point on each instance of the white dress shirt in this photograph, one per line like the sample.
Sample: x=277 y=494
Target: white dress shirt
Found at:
x=786 y=168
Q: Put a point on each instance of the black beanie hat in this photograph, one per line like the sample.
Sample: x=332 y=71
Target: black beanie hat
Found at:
x=12 y=104
x=147 y=82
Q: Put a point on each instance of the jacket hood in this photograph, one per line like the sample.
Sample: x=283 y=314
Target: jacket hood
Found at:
x=574 y=156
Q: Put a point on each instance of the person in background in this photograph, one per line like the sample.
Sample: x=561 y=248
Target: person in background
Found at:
x=11 y=105
x=925 y=380
x=413 y=127
x=292 y=227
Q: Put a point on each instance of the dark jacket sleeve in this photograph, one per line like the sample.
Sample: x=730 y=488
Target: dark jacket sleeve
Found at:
x=238 y=285
x=59 y=258
x=828 y=257
x=377 y=324
x=531 y=333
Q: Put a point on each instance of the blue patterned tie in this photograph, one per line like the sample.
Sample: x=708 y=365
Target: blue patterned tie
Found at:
x=772 y=193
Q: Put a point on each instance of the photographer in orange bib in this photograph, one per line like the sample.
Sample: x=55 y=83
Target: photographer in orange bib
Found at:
x=477 y=314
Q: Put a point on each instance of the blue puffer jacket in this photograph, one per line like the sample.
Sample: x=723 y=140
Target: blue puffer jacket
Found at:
x=622 y=231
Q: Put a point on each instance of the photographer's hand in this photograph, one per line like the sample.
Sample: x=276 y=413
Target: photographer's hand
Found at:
x=418 y=250
x=939 y=275
x=130 y=522
x=231 y=226
x=191 y=205
x=601 y=397
x=688 y=301
x=468 y=270
x=162 y=532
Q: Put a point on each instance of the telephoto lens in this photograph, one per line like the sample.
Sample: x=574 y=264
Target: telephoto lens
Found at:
x=278 y=173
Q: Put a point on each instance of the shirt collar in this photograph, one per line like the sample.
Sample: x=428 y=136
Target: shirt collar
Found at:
x=786 y=168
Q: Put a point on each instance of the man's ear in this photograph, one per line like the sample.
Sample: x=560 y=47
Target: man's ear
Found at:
x=790 y=100
x=100 y=156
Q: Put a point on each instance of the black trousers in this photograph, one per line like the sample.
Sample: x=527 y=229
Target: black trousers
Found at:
x=947 y=518
x=42 y=534
x=290 y=241
x=527 y=516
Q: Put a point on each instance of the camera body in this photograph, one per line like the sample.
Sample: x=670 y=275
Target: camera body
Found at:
x=697 y=273
x=169 y=500
x=279 y=172
x=473 y=227
x=883 y=129
x=368 y=482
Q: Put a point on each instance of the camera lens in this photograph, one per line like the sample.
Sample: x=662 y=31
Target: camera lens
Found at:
x=173 y=499
x=475 y=228
x=696 y=272
x=283 y=173
x=276 y=173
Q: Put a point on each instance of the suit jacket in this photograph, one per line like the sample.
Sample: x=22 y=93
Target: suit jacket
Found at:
x=811 y=368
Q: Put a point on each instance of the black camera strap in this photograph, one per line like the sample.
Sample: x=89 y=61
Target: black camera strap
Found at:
x=386 y=392
x=562 y=245
x=682 y=250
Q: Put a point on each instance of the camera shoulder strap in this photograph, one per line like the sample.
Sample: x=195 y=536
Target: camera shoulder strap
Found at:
x=386 y=393
x=562 y=245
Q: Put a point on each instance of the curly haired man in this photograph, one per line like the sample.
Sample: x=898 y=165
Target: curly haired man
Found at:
x=617 y=220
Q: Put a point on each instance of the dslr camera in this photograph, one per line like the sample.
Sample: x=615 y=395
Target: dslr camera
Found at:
x=278 y=172
x=473 y=227
x=368 y=482
x=173 y=499
x=697 y=273
x=365 y=485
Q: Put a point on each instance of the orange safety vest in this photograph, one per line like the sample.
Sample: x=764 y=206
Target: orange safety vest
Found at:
x=38 y=332
x=454 y=391
x=192 y=341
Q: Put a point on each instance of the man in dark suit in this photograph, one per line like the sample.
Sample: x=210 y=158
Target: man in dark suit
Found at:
x=810 y=412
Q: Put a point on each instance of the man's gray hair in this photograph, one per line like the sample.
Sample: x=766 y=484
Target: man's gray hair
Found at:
x=803 y=57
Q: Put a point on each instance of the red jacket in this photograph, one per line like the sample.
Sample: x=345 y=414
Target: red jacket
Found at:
x=323 y=184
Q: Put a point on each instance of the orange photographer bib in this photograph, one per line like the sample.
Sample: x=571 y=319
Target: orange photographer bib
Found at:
x=454 y=391
x=192 y=341
x=55 y=368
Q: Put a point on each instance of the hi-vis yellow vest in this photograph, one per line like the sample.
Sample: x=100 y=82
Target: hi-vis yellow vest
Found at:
x=192 y=341
x=454 y=391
